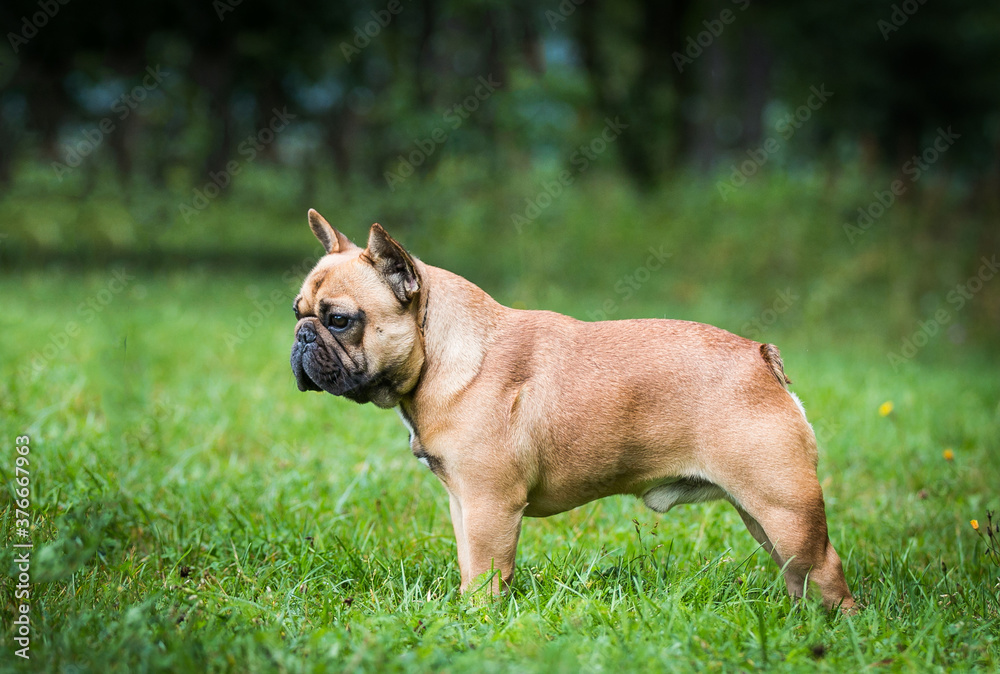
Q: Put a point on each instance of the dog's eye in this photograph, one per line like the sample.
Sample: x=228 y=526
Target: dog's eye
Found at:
x=338 y=322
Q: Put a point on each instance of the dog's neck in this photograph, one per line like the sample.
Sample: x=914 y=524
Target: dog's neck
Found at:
x=455 y=338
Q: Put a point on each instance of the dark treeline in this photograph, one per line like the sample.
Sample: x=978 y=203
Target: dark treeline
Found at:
x=372 y=87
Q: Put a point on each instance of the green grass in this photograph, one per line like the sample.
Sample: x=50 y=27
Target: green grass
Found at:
x=194 y=512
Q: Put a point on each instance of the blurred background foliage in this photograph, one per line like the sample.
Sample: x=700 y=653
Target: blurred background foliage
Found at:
x=473 y=130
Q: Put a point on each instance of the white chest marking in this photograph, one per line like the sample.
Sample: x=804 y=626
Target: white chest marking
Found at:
x=406 y=422
x=415 y=445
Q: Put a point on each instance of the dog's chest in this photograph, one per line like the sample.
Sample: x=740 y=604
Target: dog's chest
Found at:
x=417 y=447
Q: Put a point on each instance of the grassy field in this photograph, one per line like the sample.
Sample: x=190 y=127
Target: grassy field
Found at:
x=192 y=511
x=195 y=512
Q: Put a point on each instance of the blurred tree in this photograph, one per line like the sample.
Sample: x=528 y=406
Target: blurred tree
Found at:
x=694 y=79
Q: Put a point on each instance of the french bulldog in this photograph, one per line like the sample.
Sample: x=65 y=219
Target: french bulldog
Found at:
x=531 y=413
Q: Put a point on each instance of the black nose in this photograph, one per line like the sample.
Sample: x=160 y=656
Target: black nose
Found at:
x=306 y=334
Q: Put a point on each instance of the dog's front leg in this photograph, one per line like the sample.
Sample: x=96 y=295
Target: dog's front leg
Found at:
x=463 y=543
x=490 y=528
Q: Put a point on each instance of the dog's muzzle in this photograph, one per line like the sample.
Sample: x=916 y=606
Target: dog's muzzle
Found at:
x=318 y=364
x=306 y=365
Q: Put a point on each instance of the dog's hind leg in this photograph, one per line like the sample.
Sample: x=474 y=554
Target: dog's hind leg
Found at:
x=794 y=533
x=757 y=531
x=782 y=505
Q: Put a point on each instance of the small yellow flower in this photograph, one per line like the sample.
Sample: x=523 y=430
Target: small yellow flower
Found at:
x=948 y=454
x=975 y=524
x=885 y=409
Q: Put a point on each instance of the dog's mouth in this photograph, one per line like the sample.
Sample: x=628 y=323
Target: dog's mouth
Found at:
x=302 y=378
x=317 y=368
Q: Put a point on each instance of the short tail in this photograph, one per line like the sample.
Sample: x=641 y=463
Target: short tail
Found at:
x=771 y=356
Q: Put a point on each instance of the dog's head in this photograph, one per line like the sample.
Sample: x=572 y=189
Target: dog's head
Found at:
x=358 y=333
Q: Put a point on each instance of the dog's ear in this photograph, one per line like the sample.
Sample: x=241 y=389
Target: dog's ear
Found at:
x=332 y=240
x=393 y=263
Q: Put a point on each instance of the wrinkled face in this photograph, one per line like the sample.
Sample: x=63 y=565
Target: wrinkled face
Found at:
x=356 y=335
